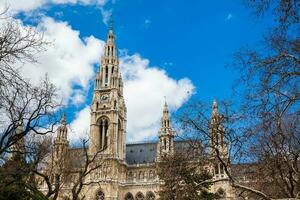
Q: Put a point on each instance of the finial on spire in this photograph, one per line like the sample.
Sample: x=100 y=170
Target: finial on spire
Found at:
x=165 y=101
x=215 y=107
x=63 y=119
x=111 y=23
x=165 y=105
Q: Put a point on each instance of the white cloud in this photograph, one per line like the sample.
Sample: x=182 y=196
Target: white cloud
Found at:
x=17 y=6
x=68 y=62
x=144 y=91
x=80 y=126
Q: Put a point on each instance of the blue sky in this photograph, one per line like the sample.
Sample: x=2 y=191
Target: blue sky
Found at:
x=191 y=39
x=195 y=39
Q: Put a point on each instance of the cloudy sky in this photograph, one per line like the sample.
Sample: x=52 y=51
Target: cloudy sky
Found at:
x=166 y=48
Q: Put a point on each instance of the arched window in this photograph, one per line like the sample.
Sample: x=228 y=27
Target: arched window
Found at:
x=151 y=174
x=141 y=175
x=165 y=144
x=216 y=169
x=139 y=196
x=130 y=176
x=100 y=195
x=129 y=196
x=106 y=76
x=150 y=196
x=119 y=136
x=103 y=133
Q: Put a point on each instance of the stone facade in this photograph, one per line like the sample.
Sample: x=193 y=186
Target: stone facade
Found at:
x=128 y=171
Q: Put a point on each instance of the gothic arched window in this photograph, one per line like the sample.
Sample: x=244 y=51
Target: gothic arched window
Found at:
x=165 y=144
x=119 y=137
x=129 y=196
x=103 y=133
x=130 y=176
x=141 y=175
x=139 y=196
x=100 y=195
x=150 y=196
x=151 y=174
x=106 y=76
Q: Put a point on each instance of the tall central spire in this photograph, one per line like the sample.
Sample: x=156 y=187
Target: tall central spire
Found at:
x=108 y=116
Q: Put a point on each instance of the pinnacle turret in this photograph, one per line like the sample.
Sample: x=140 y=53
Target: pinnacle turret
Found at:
x=166 y=135
x=166 y=127
x=62 y=131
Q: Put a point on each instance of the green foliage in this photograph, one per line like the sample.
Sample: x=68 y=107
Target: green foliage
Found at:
x=13 y=181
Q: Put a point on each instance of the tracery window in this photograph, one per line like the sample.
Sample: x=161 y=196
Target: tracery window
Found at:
x=129 y=196
x=139 y=196
x=100 y=196
x=150 y=196
x=103 y=133
x=130 y=176
x=151 y=174
x=141 y=175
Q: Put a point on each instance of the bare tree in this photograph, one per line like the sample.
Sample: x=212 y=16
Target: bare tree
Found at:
x=90 y=165
x=20 y=101
x=184 y=175
x=270 y=76
x=69 y=176
x=227 y=141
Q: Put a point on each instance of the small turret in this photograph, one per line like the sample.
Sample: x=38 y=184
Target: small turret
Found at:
x=218 y=143
x=61 y=145
x=62 y=132
x=166 y=135
x=217 y=130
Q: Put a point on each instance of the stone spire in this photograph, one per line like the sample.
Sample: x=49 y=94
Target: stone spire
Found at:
x=62 y=131
x=166 y=135
x=217 y=129
x=61 y=145
x=166 y=128
x=108 y=109
x=110 y=51
x=109 y=75
x=218 y=143
x=215 y=108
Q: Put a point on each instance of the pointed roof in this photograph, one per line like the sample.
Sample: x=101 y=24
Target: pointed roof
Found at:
x=166 y=127
x=110 y=38
x=63 y=119
x=166 y=108
x=215 y=108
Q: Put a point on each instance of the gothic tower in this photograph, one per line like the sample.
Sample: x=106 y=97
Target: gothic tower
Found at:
x=218 y=142
x=108 y=110
x=61 y=145
x=165 y=144
x=217 y=130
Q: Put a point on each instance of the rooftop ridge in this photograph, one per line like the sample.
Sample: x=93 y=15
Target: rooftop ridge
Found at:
x=143 y=142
